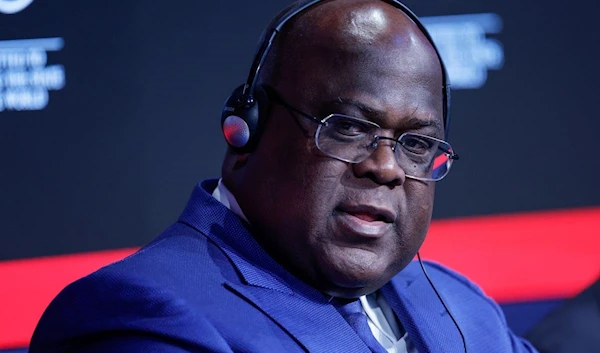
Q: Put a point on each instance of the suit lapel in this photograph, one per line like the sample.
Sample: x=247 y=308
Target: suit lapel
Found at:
x=299 y=309
x=421 y=313
x=314 y=323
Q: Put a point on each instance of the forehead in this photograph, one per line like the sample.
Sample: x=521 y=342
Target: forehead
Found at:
x=370 y=53
x=387 y=87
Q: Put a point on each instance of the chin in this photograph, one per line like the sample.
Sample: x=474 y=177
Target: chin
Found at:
x=344 y=285
x=341 y=281
x=351 y=271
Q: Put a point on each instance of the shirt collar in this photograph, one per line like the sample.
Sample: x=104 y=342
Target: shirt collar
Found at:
x=224 y=196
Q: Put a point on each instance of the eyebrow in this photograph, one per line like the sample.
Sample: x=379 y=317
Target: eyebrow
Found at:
x=416 y=123
x=412 y=122
x=367 y=110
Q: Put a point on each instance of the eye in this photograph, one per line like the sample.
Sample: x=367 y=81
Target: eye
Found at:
x=344 y=128
x=416 y=144
x=348 y=127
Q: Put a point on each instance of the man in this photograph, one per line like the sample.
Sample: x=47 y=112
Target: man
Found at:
x=331 y=204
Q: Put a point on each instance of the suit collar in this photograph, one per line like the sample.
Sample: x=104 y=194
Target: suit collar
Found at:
x=421 y=312
x=207 y=215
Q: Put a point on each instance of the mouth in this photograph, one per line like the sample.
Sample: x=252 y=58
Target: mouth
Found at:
x=365 y=220
x=369 y=213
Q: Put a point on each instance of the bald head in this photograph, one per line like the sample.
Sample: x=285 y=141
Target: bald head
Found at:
x=360 y=30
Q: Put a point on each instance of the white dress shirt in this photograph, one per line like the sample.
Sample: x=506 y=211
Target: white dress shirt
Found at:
x=381 y=318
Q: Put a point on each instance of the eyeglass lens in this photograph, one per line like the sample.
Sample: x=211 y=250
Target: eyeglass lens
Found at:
x=353 y=140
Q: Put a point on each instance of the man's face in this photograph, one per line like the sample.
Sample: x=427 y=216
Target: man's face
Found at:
x=346 y=228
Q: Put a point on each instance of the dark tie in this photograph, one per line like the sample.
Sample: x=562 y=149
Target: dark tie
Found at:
x=352 y=312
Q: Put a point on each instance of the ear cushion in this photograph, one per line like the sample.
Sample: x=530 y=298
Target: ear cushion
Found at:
x=243 y=118
x=236 y=131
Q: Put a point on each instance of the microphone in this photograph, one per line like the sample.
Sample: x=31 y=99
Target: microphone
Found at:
x=443 y=303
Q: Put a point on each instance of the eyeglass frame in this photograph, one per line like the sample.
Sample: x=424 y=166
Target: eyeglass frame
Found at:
x=273 y=94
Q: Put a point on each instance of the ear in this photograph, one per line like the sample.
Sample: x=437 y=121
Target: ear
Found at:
x=241 y=159
x=233 y=163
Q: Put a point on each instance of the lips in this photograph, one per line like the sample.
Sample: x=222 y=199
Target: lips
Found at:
x=369 y=213
x=365 y=220
x=369 y=217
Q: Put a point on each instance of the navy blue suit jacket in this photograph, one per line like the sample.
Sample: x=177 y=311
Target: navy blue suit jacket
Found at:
x=205 y=285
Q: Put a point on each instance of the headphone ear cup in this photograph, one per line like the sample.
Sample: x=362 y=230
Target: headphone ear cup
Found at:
x=236 y=131
x=238 y=119
x=243 y=117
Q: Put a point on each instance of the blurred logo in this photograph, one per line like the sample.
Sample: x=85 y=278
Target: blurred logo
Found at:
x=13 y=6
x=26 y=76
x=465 y=48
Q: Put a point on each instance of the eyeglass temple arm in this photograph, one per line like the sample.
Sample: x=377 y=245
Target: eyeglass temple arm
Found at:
x=451 y=154
x=273 y=94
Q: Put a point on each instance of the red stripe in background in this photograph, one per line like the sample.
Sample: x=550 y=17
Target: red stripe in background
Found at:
x=28 y=286
x=521 y=257
x=512 y=257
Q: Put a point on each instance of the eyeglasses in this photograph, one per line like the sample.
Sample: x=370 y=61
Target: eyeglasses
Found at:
x=353 y=140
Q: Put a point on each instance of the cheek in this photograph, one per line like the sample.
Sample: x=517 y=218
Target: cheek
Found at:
x=303 y=183
x=419 y=208
x=317 y=189
x=311 y=173
x=420 y=197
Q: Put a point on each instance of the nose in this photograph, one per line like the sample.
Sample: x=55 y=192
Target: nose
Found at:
x=381 y=166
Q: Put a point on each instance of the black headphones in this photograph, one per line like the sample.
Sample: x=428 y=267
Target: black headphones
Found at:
x=246 y=110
